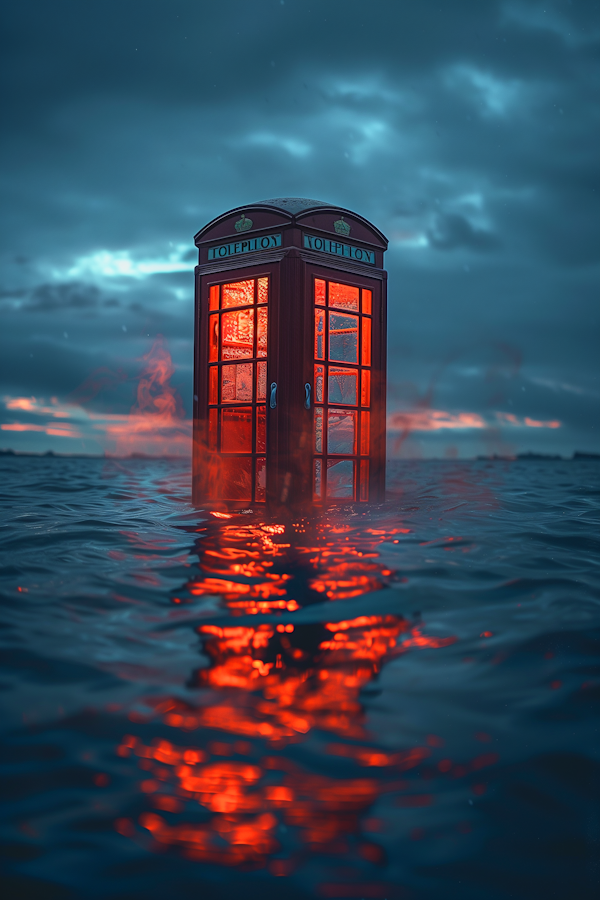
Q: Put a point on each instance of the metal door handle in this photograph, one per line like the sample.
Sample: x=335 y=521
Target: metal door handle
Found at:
x=307 y=396
x=273 y=400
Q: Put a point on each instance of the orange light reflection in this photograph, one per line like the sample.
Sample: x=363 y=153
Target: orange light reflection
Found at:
x=272 y=684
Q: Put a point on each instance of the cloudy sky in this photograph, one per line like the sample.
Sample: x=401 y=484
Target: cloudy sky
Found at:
x=467 y=131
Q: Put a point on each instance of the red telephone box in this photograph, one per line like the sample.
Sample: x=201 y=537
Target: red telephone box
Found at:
x=290 y=357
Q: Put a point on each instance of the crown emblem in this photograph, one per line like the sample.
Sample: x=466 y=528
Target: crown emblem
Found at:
x=243 y=224
x=341 y=227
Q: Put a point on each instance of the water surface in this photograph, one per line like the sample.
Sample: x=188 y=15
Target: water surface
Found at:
x=393 y=703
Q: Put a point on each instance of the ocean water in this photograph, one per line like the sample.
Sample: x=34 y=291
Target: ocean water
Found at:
x=393 y=703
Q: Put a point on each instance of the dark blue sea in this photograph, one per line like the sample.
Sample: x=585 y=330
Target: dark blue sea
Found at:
x=393 y=703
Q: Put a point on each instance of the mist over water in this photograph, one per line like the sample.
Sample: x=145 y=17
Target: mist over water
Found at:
x=397 y=702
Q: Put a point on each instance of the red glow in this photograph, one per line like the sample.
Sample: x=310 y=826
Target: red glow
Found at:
x=156 y=424
x=434 y=420
x=527 y=422
x=237 y=337
x=30 y=404
x=536 y=423
x=277 y=683
x=64 y=431
x=420 y=640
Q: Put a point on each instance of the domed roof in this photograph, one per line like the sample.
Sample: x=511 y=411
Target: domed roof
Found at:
x=294 y=209
x=294 y=205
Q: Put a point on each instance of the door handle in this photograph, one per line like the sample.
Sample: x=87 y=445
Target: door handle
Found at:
x=307 y=396
x=273 y=399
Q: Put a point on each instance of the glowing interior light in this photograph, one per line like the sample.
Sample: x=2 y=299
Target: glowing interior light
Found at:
x=366 y=342
x=365 y=429
x=365 y=387
x=263 y=320
x=343 y=296
x=263 y=290
x=319 y=378
x=240 y=293
x=261 y=429
x=261 y=381
x=238 y=331
x=213 y=338
x=319 y=292
x=337 y=430
x=319 y=334
x=213 y=388
x=237 y=339
x=236 y=383
x=236 y=430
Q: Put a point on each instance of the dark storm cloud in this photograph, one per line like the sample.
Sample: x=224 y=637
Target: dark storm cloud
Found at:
x=70 y=295
x=451 y=231
x=33 y=366
x=466 y=131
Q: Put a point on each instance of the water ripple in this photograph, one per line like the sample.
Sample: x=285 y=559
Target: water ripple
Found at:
x=397 y=702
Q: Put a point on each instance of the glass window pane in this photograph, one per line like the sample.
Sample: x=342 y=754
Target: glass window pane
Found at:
x=236 y=383
x=364 y=479
x=212 y=429
x=261 y=381
x=319 y=378
x=340 y=479
x=261 y=331
x=261 y=429
x=213 y=338
x=342 y=385
x=366 y=342
x=237 y=339
x=260 y=490
x=213 y=385
x=319 y=292
x=236 y=478
x=236 y=430
x=318 y=429
x=366 y=302
x=343 y=338
x=341 y=431
x=365 y=387
x=318 y=479
x=239 y=293
x=365 y=426
x=263 y=290
x=319 y=334
x=344 y=296
x=213 y=297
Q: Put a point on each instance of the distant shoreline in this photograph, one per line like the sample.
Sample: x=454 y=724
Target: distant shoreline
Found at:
x=519 y=457
x=50 y=454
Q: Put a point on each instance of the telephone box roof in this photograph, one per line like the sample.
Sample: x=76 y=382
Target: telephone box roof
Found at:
x=292 y=207
x=295 y=205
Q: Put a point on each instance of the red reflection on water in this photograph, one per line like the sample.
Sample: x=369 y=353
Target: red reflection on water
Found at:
x=249 y=566
x=271 y=684
x=309 y=677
